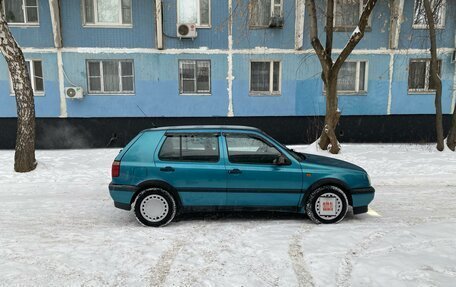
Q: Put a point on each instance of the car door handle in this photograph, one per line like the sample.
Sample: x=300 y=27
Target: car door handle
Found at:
x=235 y=171
x=167 y=169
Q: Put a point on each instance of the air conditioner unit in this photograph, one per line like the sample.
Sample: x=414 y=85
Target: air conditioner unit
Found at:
x=453 y=58
x=186 y=31
x=276 y=22
x=74 y=92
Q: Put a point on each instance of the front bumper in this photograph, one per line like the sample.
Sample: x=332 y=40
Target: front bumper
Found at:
x=361 y=197
x=122 y=195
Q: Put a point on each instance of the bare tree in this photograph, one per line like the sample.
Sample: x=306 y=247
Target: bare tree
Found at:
x=451 y=139
x=24 y=158
x=330 y=69
x=431 y=14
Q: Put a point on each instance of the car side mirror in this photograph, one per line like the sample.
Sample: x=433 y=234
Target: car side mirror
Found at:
x=281 y=160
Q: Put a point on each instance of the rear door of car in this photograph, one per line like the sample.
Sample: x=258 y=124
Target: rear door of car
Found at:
x=253 y=177
x=190 y=161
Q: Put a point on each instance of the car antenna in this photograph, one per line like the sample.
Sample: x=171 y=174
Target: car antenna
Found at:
x=153 y=124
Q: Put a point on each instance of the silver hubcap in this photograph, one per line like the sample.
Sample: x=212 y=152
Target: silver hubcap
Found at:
x=328 y=206
x=154 y=208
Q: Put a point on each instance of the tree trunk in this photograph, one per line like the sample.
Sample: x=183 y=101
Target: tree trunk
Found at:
x=435 y=76
x=451 y=139
x=24 y=158
x=328 y=139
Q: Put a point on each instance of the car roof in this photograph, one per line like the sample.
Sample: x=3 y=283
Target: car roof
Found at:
x=205 y=127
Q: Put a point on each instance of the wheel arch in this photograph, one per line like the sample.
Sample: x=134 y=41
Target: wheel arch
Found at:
x=158 y=184
x=327 y=181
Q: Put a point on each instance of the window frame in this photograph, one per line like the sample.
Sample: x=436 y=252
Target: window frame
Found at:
x=271 y=91
x=254 y=136
x=184 y=134
x=97 y=24
x=351 y=28
x=425 y=26
x=181 y=79
x=24 y=13
x=32 y=78
x=120 y=76
x=357 y=91
x=271 y=13
x=197 y=25
x=427 y=76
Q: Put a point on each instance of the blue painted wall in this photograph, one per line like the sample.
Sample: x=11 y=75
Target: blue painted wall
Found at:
x=140 y=35
x=36 y=36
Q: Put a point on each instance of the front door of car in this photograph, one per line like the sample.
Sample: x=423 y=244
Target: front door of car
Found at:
x=259 y=174
x=192 y=164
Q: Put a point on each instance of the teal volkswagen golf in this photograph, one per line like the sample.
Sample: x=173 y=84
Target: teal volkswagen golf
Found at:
x=168 y=170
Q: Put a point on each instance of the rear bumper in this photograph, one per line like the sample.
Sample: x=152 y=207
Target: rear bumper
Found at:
x=122 y=195
x=361 y=197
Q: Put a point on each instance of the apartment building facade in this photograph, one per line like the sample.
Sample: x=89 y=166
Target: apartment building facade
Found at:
x=120 y=65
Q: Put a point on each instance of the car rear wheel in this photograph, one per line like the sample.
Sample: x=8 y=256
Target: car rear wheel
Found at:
x=327 y=204
x=155 y=207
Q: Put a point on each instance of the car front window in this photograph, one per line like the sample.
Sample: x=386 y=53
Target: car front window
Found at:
x=243 y=148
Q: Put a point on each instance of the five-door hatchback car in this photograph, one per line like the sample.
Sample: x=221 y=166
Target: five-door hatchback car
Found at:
x=167 y=170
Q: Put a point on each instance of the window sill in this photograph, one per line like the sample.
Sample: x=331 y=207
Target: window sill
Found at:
x=41 y=94
x=345 y=93
x=195 y=94
x=425 y=27
x=24 y=25
x=426 y=92
x=264 y=94
x=350 y=29
x=108 y=26
x=108 y=94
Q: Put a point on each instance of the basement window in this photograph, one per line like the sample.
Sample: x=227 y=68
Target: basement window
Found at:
x=194 y=12
x=261 y=12
x=110 y=77
x=107 y=12
x=347 y=14
x=419 y=14
x=265 y=77
x=35 y=69
x=194 y=77
x=420 y=80
x=21 y=12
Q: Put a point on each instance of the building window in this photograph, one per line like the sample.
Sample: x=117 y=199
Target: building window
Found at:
x=347 y=13
x=107 y=12
x=419 y=14
x=352 y=77
x=194 y=77
x=35 y=69
x=110 y=77
x=261 y=12
x=265 y=77
x=21 y=11
x=420 y=79
x=194 y=12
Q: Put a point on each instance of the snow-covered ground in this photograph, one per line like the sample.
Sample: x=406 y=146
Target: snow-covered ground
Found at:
x=58 y=227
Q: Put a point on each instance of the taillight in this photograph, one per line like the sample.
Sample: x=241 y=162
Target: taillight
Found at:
x=115 y=169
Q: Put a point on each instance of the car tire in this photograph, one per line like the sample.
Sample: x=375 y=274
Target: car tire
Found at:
x=155 y=207
x=334 y=198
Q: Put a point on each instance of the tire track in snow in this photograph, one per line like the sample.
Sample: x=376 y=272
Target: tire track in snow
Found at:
x=298 y=262
x=160 y=271
x=343 y=275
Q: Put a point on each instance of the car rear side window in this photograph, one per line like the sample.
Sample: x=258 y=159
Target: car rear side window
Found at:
x=244 y=148
x=190 y=147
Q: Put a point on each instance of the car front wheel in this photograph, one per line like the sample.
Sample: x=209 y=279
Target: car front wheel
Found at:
x=327 y=204
x=155 y=207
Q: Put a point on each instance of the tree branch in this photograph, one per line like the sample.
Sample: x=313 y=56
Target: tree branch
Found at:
x=329 y=26
x=357 y=35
